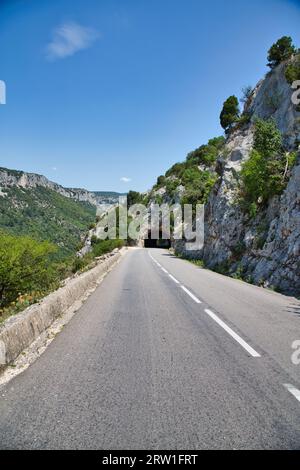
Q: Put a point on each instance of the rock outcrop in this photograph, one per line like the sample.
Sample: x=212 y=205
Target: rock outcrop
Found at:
x=265 y=249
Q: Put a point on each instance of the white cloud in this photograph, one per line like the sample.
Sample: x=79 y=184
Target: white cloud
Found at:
x=54 y=168
x=70 y=38
x=125 y=179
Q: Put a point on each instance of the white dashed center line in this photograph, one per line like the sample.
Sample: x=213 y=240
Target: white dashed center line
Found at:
x=191 y=295
x=225 y=327
x=174 y=279
x=293 y=390
x=234 y=335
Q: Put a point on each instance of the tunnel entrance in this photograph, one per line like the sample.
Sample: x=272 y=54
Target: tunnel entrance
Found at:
x=160 y=242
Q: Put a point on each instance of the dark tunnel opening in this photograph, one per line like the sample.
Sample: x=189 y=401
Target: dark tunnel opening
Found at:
x=161 y=242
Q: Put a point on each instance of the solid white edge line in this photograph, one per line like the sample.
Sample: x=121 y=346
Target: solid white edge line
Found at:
x=164 y=270
x=234 y=335
x=174 y=278
x=293 y=390
x=191 y=295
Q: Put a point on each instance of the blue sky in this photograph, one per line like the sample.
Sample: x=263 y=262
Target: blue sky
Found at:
x=100 y=92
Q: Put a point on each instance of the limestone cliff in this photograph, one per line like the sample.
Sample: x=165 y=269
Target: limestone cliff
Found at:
x=265 y=249
x=21 y=179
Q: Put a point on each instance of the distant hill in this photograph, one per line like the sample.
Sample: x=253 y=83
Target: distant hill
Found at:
x=32 y=205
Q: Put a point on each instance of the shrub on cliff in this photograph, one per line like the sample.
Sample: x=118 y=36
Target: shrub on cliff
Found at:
x=264 y=174
x=292 y=71
x=267 y=138
x=206 y=154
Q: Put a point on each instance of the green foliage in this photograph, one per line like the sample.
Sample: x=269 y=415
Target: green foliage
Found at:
x=176 y=170
x=197 y=262
x=267 y=138
x=291 y=159
x=230 y=113
x=25 y=266
x=264 y=174
x=292 y=71
x=243 y=120
x=207 y=154
x=158 y=199
x=101 y=247
x=239 y=273
x=172 y=185
x=222 y=268
x=43 y=214
x=133 y=197
x=282 y=50
x=160 y=181
x=198 y=185
x=197 y=182
x=80 y=263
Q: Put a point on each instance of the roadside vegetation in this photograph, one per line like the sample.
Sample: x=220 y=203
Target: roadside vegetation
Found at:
x=30 y=269
x=27 y=272
x=99 y=248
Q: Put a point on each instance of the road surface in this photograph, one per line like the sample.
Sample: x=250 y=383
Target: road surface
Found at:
x=163 y=355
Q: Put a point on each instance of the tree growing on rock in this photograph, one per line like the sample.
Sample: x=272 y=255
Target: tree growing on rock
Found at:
x=282 y=50
x=230 y=113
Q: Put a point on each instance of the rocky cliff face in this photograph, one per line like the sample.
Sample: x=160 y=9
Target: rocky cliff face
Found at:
x=21 y=179
x=266 y=249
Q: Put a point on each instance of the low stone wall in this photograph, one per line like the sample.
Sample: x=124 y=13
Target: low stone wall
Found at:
x=19 y=331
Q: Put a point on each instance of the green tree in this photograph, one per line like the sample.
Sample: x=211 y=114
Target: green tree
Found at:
x=133 y=197
x=282 y=50
x=230 y=113
x=25 y=266
x=160 y=180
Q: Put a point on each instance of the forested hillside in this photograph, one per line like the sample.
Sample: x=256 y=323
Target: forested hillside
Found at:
x=44 y=214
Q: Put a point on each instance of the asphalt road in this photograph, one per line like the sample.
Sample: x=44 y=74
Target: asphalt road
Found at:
x=163 y=355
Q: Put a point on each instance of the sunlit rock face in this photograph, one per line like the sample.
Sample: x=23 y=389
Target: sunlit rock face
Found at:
x=266 y=249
